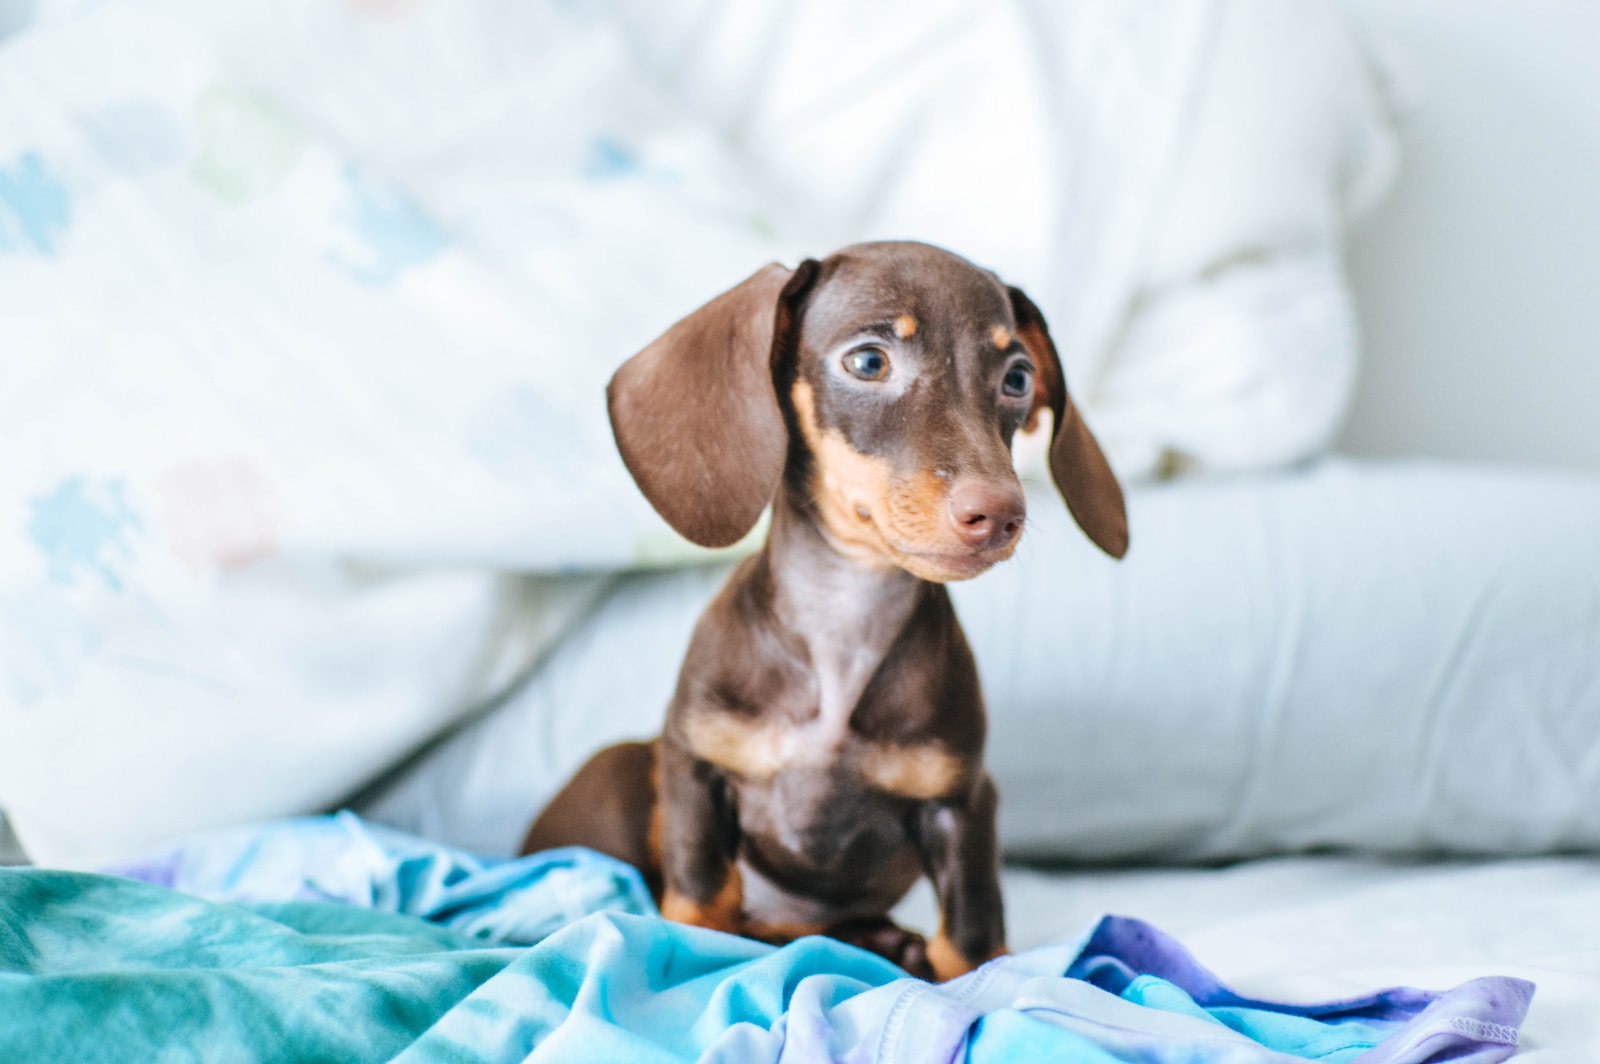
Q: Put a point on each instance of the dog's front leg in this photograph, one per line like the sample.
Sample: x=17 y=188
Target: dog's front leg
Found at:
x=699 y=839
x=956 y=838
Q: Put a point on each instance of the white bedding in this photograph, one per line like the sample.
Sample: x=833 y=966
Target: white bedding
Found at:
x=364 y=269
x=1318 y=928
x=1398 y=657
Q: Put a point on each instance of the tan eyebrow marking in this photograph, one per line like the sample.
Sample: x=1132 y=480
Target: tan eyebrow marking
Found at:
x=1001 y=336
x=905 y=326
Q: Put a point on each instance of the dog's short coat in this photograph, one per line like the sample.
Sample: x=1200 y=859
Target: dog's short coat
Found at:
x=824 y=747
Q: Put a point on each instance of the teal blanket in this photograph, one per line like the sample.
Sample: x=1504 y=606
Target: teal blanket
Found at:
x=108 y=968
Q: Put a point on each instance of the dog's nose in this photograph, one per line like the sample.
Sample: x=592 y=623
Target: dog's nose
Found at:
x=987 y=517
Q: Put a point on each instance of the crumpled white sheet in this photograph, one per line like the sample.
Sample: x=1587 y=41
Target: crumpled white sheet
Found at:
x=308 y=308
x=1239 y=344
x=1169 y=180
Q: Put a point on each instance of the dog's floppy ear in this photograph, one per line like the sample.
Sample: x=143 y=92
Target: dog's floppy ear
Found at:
x=695 y=413
x=1077 y=464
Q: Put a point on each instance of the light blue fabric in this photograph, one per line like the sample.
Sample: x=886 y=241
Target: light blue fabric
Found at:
x=106 y=968
x=343 y=858
x=1332 y=1042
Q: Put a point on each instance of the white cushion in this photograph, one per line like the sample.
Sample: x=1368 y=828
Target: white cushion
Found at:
x=1391 y=657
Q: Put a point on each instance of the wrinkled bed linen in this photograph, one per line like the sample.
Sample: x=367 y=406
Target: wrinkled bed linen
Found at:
x=101 y=967
x=367 y=284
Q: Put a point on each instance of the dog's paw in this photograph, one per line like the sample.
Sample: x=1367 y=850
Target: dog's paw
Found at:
x=890 y=941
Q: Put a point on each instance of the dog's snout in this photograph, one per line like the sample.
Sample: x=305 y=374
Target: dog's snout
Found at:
x=987 y=517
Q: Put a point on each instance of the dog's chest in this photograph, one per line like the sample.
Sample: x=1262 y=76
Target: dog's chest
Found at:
x=791 y=755
x=827 y=714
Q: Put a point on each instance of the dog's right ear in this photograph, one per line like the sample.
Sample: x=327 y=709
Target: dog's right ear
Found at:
x=1078 y=466
x=696 y=415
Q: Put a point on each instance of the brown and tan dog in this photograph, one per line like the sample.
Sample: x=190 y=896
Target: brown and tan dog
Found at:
x=824 y=748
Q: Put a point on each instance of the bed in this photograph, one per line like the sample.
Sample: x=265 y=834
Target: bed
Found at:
x=286 y=547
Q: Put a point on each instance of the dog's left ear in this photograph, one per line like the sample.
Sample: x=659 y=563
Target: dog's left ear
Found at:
x=1077 y=464
x=696 y=414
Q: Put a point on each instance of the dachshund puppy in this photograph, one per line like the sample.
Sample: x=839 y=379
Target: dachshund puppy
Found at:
x=824 y=747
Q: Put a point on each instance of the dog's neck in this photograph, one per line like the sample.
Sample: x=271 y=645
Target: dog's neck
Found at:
x=847 y=614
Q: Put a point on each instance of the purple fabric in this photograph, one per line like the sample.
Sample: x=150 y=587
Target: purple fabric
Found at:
x=1477 y=1021
x=1121 y=949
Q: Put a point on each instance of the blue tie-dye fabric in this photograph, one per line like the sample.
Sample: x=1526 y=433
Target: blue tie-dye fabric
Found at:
x=107 y=968
x=342 y=858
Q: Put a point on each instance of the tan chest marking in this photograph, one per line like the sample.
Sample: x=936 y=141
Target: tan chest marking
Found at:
x=755 y=749
x=922 y=771
x=760 y=749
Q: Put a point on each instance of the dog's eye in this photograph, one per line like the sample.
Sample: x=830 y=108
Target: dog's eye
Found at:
x=867 y=363
x=1018 y=381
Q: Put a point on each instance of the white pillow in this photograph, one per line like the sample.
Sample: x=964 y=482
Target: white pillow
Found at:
x=1390 y=656
x=1399 y=657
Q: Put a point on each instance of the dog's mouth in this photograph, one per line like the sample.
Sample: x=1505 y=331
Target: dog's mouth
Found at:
x=902 y=523
x=949 y=566
x=941 y=558
x=940 y=561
